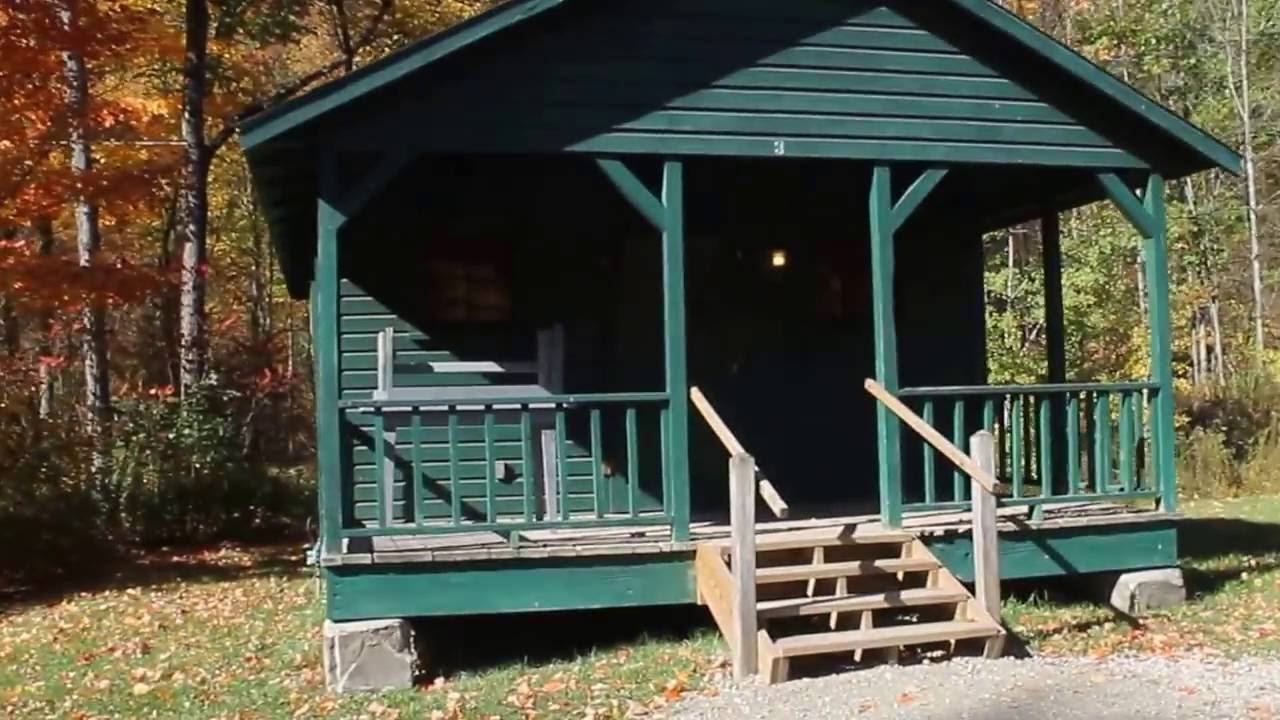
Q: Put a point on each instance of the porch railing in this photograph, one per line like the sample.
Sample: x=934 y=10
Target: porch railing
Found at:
x=467 y=464
x=1054 y=443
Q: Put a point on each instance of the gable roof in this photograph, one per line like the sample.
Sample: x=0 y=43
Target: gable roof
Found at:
x=897 y=80
x=290 y=116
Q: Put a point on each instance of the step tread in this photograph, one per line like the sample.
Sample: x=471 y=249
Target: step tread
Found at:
x=881 y=566
x=819 y=643
x=823 y=604
x=801 y=539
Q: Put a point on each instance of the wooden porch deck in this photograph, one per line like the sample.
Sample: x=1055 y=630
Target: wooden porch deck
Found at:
x=641 y=540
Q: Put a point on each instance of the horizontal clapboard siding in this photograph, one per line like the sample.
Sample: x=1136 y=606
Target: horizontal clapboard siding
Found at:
x=742 y=77
x=423 y=362
x=418 y=361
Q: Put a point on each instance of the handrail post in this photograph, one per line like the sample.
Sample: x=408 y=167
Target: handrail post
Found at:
x=742 y=523
x=986 y=550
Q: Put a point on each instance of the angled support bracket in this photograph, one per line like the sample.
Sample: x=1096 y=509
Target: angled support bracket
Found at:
x=389 y=167
x=915 y=195
x=1133 y=208
x=635 y=191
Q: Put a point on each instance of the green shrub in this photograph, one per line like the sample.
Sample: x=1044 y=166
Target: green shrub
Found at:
x=180 y=473
x=1206 y=467
x=1230 y=436
x=1242 y=411
x=46 y=510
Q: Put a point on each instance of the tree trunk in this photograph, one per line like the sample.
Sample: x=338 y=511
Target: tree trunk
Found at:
x=1200 y=351
x=194 y=199
x=1011 y=255
x=1219 y=362
x=1237 y=51
x=10 y=333
x=93 y=334
x=43 y=229
x=259 y=281
x=1255 y=248
x=162 y=338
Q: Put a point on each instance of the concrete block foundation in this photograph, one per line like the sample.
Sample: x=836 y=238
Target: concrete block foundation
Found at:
x=368 y=655
x=1145 y=591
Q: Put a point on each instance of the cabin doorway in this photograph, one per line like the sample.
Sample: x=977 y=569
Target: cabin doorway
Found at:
x=779 y=327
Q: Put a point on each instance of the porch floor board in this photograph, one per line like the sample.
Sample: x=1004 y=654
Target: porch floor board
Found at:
x=637 y=540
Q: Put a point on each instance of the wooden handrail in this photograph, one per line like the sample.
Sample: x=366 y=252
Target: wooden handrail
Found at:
x=979 y=465
x=768 y=492
x=957 y=456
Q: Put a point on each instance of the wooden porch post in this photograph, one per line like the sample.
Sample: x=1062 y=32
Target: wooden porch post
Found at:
x=1055 y=340
x=888 y=434
x=1148 y=216
x=324 y=328
x=1157 y=268
x=673 y=314
x=666 y=213
x=1054 y=324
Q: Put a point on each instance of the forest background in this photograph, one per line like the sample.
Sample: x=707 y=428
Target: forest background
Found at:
x=155 y=378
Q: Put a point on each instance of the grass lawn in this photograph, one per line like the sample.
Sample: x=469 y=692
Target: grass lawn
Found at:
x=1230 y=553
x=234 y=633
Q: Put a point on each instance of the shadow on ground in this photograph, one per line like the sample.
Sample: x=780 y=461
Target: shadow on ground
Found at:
x=481 y=642
x=1215 y=551
x=1211 y=551
x=151 y=569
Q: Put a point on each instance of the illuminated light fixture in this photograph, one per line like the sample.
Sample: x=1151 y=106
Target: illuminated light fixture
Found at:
x=778 y=259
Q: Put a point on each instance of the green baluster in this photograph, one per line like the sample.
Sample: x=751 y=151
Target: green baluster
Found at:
x=1090 y=432
x=380 y=468
x=1126 y=440
x=526 y=462
x=490 y=477
x=1046 y=445
x=926 y=450
x=1146 y=437
x=1015 y=443
x=633 y=463
x=663 y=430
x=1073 y=443
x=958 y=479
x=1028 y=447
x=455 y=477
x=1002 y=439
x=416 y=487
x=1102 y=442
x=597 y=466
x=562 y=464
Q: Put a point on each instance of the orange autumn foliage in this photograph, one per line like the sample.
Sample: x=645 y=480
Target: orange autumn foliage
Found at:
x=116 y=38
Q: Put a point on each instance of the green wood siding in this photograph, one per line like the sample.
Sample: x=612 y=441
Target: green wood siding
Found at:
x=741 y=77
x=359 y=592
x=1067 y=551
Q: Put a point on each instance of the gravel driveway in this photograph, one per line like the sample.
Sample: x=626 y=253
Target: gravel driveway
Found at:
x=1118 y=687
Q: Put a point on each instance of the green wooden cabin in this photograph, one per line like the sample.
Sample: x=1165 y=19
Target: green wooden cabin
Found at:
x=525 y=238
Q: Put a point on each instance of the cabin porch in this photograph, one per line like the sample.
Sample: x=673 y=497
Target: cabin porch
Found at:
x=486 y=419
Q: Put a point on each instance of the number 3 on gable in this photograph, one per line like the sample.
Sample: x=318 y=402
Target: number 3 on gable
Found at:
x=779 y=147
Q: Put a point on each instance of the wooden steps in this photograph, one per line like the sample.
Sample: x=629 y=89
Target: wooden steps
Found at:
x=827 y=604
x=822 y=537
x=883 y=637
x=820 y=571
x=832 y=591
